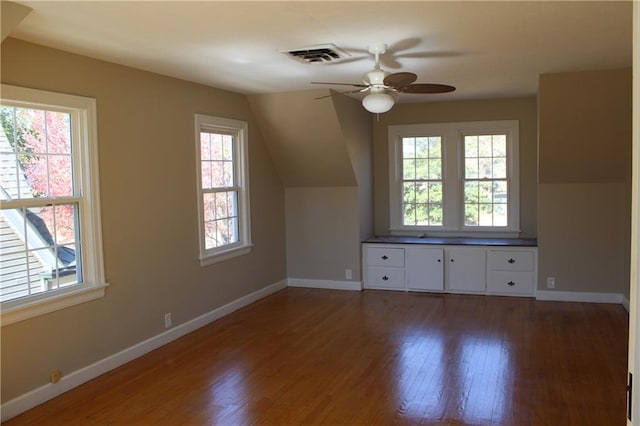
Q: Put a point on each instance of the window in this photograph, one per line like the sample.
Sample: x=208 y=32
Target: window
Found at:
x=50 y=244
x=422 y=181
x=454 y=179
x=223 y=188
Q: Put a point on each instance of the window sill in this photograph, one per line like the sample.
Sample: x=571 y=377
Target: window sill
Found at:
x=21 y=309
x=225 y=255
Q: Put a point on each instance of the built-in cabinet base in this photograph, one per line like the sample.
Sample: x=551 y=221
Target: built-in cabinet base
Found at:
x=478 y=269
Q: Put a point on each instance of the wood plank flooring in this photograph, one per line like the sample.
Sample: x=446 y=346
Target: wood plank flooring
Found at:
x=305 y=356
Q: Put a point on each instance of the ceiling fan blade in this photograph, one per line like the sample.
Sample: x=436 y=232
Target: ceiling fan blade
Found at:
x=400 y=80
x=341 y=93
x=426 y=88
x=389 y=62
x=341 y=84
x=405 y=44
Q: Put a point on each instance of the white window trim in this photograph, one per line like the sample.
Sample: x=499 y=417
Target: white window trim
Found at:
x=86 y=164
x=452 y=135
x=241 y=141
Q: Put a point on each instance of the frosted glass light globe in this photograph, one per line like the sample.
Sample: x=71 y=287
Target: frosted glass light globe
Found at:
x=378 y=102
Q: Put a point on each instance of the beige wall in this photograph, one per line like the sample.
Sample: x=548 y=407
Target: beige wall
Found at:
x=585 y=174
x=149 y=217
x=304 y=138
x=322 y=149
x=355 y=123
x=322 y=233
x=521 y=109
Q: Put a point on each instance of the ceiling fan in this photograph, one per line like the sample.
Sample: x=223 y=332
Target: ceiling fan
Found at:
x=382 y=86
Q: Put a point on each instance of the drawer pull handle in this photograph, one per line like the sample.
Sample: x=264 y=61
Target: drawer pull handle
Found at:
x=385 y=278
x=439 y=260
x=511 y=283
x=511 y=261
x=385 y=257
x=451 y=260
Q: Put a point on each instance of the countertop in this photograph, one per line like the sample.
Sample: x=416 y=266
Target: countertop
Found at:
x=456 y=241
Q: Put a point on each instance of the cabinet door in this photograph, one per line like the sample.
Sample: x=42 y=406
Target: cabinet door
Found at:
x=466 y=270
x=423 y=269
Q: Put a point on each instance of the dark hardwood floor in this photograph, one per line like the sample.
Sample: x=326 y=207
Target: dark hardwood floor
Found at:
x=304 y=356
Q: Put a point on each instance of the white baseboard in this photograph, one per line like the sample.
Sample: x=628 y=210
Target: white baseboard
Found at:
x=325 y=284
x=574 y=296
x=69 y=381
x=625 y=302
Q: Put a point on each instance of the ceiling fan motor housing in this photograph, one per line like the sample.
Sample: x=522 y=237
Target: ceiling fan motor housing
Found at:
x=375 y=77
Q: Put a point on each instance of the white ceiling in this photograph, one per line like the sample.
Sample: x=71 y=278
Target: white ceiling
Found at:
x=485 y=49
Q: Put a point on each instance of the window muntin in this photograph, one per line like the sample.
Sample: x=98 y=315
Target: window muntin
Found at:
x=50 y=244
x=478 y=185
x=422 y=181
x=223 y=188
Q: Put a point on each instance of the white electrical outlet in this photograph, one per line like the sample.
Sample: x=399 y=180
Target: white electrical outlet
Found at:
x=551 y=282
x=167 y=320
x=348 y=274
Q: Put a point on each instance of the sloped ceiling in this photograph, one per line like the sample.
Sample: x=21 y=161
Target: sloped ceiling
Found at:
x=304 y=138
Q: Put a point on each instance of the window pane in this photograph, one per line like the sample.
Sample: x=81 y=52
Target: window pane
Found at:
x=422 y=169
x=207 y=174
x=486 y=214
x=229 y=178
x=227 y=151
x=485 y=148
x=500 y=214
x=485 y=168
x=500 y=192
x=60 y=176
x=435 y=214
x=499 y=168
x=408 y=214
x=409 y=192
x=471 y=192
x=471 y=214
x=435 y=169
x=499 y=145
x=205 y=146
x=471 y=168
x=435 y=147
x=65 y=224
x=485 y=192
x=209 y=204
x=470 y=146
x=422 y=192
x=58 y=131
x=408 y=147
x=422 y=215
x=422 y=148
x=435 y=192
x=210 y=230
x=409 y=169
x=12 y=180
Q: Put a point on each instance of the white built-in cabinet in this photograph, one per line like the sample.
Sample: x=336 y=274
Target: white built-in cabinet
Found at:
x=466 y=269
x=424 y=269
x=453 y=269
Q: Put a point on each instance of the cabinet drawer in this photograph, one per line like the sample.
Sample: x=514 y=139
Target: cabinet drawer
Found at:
x=391 y=278
x=516 y=283
x=510 y=261
x=384 y=256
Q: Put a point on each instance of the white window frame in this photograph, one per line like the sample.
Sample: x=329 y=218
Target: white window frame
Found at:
x=240 y=131
x=85 y=161
x=452 y=135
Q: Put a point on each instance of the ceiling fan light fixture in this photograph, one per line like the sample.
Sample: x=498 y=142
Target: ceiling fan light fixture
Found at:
x=378 y=103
